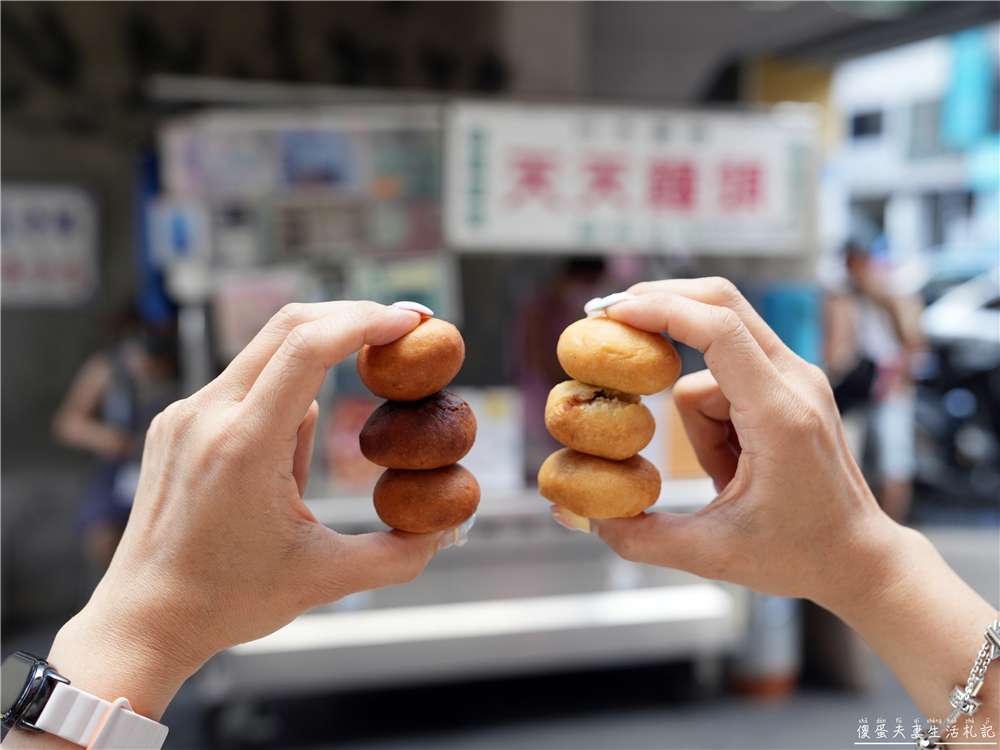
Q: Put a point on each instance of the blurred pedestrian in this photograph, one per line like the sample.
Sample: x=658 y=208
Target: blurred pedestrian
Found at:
x=107 y=410
x=873 y=336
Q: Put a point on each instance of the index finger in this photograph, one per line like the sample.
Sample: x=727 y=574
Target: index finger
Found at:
x=723 y=293
x=240 y=374
x=741 y=368
x=283 y=392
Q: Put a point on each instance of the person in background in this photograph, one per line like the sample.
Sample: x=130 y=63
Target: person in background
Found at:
x=109 y=406
x=873 y=337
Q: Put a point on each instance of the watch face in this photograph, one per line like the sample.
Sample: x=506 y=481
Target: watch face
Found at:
x=14 y=674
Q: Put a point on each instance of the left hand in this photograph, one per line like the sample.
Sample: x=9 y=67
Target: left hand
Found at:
x=220 y=547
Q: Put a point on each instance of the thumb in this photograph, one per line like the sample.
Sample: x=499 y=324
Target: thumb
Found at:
x=670 y=540
x=375 y=560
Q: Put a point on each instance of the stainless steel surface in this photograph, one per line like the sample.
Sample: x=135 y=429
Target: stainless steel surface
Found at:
x=525 y=595
x=677 y=496
x=426 y=644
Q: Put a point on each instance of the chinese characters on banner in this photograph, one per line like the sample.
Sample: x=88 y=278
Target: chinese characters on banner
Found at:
x=548 y=178
x=49 y=245
x=882 y=729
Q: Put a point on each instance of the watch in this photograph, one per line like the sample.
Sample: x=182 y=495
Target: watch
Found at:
x=33 y=696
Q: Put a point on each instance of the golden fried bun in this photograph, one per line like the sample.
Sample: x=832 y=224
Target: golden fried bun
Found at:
x=600 y=421
x=416 y=364
x=427 y=434
x=423 y=501
x=610 y=354
x=596 y=487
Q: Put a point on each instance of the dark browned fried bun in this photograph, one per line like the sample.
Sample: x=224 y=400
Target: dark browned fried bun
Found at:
x=424 y=501
x=415 y=365
x=600 y=421
x=610 y=354
x=427 y=434
x=596 y=487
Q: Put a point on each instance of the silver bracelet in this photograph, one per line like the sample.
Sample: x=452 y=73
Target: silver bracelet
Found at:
x=963 y=700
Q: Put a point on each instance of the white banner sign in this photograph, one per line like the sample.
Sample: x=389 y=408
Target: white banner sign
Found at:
x=563 y=178
x=48 y=250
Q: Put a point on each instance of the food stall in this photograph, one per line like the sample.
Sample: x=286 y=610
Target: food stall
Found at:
x=384 y=201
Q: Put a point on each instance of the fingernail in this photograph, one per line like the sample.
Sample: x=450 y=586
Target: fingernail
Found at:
x=603 y=303
x=570 y=520
x=457 y=537
x=415 y=307
x=594 y=313
x=718 y=487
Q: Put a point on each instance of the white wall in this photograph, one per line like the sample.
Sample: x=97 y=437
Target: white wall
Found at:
x=893 y=82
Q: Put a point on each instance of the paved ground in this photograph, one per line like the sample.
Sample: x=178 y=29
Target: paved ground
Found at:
x=620 y=710
x=810 y=719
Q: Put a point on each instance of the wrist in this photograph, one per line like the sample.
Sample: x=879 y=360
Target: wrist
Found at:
x=43 y=708
x=110 y=659
x=873 y=558
x=918 y=615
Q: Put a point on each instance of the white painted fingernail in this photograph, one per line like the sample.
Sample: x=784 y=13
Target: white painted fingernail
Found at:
x=593 y=313
x=603 y=303
x=457 y=537
x=570 y=520
x=414 y=307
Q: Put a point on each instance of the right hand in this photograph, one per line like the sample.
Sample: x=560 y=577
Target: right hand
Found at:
x=793 y=516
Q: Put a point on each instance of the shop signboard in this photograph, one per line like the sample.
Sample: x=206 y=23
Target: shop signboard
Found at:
x=550 y=178
x=49 y=245
x=382 y=153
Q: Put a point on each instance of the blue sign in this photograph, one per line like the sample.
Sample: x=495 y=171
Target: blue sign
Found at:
x=967 y=108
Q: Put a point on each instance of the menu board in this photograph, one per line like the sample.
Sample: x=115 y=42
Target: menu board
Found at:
x=380 y=153
x=549 y=178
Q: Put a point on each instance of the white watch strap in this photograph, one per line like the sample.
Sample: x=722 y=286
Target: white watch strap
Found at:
x=85 y=719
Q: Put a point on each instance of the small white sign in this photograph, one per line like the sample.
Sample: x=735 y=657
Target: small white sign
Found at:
x=48 y=251
x=497 y=458
x=549 y=178
x=178 y=231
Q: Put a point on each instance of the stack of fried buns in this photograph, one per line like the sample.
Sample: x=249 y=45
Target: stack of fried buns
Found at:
x=600 y=418
x=421 y=432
